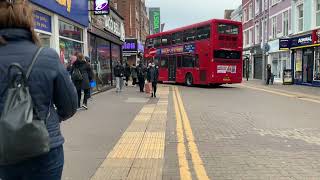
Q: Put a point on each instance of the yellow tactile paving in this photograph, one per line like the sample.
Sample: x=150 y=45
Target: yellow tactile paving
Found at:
x=140 y=151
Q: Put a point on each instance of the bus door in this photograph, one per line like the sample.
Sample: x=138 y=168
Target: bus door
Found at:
x=172 y=67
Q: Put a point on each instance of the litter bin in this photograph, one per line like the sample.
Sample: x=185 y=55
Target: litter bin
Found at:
x=287 y=77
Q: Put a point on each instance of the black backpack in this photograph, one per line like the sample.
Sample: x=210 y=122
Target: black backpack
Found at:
x=23 y=134
x=76 y=74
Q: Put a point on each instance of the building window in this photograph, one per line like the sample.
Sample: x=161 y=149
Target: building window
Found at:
x=274 y=2
x=257 y=34
x=300 y=17
x=250 y=37
x=274 y=27
x=285 y=23
x=245 y=15
x=317 y=13
x=257 y=6
x=262 y=5
x=250 y=11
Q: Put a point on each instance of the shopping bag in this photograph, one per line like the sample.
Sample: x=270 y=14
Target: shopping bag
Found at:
x=148 y=88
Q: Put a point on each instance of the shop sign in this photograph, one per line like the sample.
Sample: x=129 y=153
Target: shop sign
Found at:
x=42 y=21
x=316 y=36
x=154 y=16
x=101 y=7
x=113 y=26
x=75 y=10
x=284 y=44
x=130 y=45
x=301 y=41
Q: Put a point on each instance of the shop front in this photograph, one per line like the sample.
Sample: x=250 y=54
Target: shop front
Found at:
x=62 y=25
x=132 y=51
x=305 y=57
x=105 y=37
x=279 y=60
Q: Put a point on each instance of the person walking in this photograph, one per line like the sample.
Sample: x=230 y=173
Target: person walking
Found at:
x=53 y=95
x=141 y=76
x=152 y=77
x=127 y=72
x=81 y=75
x=119 y=73
x=269 y=74
x=134 y=75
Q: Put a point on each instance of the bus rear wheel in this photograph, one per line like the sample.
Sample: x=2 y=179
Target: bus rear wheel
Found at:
x=189 y=80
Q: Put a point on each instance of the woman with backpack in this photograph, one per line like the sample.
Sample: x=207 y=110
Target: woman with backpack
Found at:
x=81 y=75
x=32 y=145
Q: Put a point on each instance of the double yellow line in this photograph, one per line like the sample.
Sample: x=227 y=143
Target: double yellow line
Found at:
x=184 y=127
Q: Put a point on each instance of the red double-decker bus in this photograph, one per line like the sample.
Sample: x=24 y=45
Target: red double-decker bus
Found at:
x=206 y=53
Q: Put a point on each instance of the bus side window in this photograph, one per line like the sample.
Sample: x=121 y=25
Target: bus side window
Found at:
x=187 y=61
x=150 y=43
x=179 y=61
x=203 y=32
x=189 y=35
x=157 y=42
x=196 y=61
x=164 y=62
x=177 y=38
x=166 y=40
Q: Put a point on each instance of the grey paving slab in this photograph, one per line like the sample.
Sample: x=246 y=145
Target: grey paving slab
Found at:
x=91 y=135
x=247 y=134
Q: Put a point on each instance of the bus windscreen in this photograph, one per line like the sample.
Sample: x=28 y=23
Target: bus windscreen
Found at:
x=223 y=54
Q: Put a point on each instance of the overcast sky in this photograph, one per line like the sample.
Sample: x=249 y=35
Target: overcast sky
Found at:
x=177 y=13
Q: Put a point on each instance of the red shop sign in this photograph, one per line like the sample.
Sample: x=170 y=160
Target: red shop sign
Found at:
x=316 y=36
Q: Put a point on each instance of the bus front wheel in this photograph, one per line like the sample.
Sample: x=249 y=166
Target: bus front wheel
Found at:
x=189 y=80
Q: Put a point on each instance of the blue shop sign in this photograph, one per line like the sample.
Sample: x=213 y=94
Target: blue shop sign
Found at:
x=42 y=21
x=304 y=40
x=284 y=44
x=75 y=10
x=130 y=45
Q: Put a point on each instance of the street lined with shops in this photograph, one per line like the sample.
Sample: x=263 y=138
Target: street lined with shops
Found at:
x=247 y=131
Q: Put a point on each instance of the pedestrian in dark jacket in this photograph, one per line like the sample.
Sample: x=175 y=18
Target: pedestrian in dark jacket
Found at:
x=152 y=77
x=134 y=75
x=141 y=70
x=127 y=73
x=119 y=74
x=269 y=74
x=82 y=84
x=51 y=89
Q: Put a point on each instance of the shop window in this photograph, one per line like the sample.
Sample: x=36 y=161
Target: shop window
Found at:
x=317 y=65
x=188 y=61
x=203 y=32
x=70 y=31
x=164 y=62
x=189 y=35
x=298 y=65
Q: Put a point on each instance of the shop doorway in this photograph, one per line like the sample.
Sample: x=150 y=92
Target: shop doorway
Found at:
x=308 y=64
x=258 y=67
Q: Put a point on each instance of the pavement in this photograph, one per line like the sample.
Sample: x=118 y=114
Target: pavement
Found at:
x=246 y=131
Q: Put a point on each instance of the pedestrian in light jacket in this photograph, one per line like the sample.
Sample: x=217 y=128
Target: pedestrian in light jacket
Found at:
x=51 y=89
